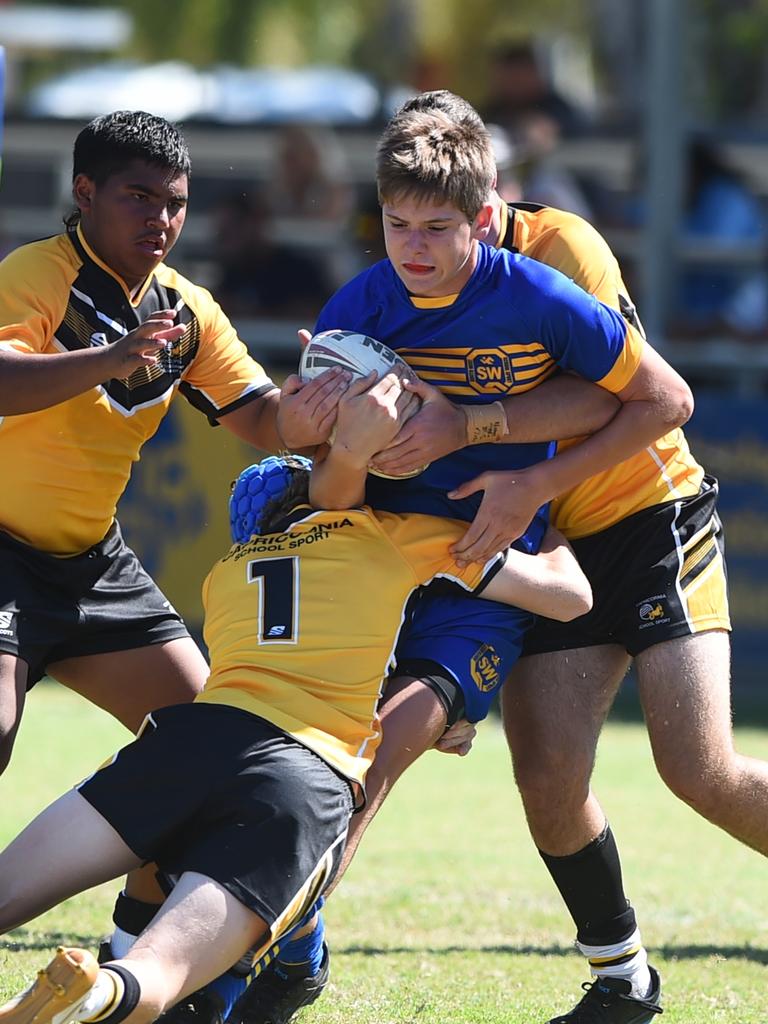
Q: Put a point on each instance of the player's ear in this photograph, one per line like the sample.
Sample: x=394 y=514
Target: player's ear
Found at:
x=83 y=189
x=481 y=225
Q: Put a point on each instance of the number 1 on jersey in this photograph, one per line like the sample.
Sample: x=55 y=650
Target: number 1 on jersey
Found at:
x=278 y=613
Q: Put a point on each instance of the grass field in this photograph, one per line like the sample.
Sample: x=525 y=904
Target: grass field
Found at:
x=447 y=914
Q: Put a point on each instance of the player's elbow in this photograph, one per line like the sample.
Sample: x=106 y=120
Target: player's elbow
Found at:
x=675 y=406
x=578 y=601
x=683 y=404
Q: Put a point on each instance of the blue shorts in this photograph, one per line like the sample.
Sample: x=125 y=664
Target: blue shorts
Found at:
x=476 y=642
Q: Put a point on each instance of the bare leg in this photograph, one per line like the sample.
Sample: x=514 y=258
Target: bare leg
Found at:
x=685 y=691
x=412 y=720
x=554 y=706
x=13 y=688
x=68 y=847
x=130 y=684
x=200 y=931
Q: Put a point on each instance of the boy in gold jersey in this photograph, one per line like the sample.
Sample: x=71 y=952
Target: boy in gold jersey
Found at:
x=97 y=335
x=243 y=797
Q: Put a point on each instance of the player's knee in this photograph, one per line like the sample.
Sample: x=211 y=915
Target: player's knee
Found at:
x=558 y=779
x=705 y=788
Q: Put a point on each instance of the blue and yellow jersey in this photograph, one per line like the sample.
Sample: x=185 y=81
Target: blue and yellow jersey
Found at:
x=665 y=470
x=294 y=639
x=65 y=467
x=514 y=323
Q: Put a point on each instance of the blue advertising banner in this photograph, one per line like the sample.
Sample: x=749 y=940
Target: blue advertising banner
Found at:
x=729 y=436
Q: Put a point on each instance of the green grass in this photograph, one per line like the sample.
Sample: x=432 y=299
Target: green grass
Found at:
x=447 y=915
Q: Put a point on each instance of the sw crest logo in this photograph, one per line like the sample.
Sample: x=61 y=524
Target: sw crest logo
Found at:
x=485 y=668
x=489 y=372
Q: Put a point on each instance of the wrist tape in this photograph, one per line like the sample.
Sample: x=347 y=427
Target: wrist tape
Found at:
x=485 y=423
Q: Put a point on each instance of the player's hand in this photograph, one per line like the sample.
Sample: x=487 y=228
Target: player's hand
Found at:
x=307 y=411
x=510 y=501
x=144 y=345
x=368 y=416
x=437 y=429
x=457 y=739
x=304 y=338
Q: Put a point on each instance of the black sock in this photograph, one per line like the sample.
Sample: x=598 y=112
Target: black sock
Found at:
x=131 y=995
x=590 y=883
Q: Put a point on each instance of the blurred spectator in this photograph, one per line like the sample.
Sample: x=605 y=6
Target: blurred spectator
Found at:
x=258 y=277
x=719 y=210
x=507 y=157
x=519 y=87
x=542 y=178
x=310 y=179
x=746 y=314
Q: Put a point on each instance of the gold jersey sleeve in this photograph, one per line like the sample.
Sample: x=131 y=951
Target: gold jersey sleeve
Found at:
x=663 y=471
x=301 y=626
x=66 y=466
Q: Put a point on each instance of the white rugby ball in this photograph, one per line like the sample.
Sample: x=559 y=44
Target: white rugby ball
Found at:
x=360 y=355
x=351 y=351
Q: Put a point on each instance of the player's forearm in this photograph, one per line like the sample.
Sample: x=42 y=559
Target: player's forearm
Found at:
x=550 y=583
x=567 y=406
x=338 y=482
x=31 y=381
x=636 y=426
x=256 y=423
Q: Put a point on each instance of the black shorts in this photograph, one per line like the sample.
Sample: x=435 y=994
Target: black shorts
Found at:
x=219 y=791
x=100 y=601
x=656 y=575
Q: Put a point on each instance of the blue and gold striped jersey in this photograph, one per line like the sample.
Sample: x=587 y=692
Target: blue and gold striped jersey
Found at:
x=511 y=327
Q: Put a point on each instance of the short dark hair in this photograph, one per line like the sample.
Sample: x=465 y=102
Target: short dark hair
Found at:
x=427 y=155
x=108 y=142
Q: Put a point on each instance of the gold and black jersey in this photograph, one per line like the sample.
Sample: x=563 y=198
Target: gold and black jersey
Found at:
x=301 y=626
x=65 y=467
x=664 y=471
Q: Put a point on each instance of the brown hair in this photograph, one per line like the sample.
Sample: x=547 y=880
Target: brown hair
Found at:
x=426 y=155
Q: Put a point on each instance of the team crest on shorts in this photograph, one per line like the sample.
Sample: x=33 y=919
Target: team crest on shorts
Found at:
x=489 y=372
x=484 y=667
x=652 y=611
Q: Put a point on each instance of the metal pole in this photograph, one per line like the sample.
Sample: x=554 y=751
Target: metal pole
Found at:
x=664 y=138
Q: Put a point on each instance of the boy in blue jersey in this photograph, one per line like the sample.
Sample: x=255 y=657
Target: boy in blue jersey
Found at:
x=484 y=327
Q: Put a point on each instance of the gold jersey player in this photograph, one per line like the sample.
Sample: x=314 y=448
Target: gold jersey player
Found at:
x=243 y=797
x=97 y=336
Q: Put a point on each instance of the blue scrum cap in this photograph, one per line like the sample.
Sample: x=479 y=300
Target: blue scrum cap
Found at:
x=255 y=488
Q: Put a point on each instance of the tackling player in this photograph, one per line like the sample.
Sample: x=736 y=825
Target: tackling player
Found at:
x=243 y=797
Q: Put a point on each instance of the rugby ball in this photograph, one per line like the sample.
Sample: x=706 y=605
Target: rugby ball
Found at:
x=351 y=351
x=360 y=355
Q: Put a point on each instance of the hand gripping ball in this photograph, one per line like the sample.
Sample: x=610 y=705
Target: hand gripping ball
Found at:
x=255 y=488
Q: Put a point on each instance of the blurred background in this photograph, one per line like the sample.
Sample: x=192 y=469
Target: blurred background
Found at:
x=650 y=119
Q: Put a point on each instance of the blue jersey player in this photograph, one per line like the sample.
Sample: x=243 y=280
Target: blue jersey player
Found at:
x=481 y=328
